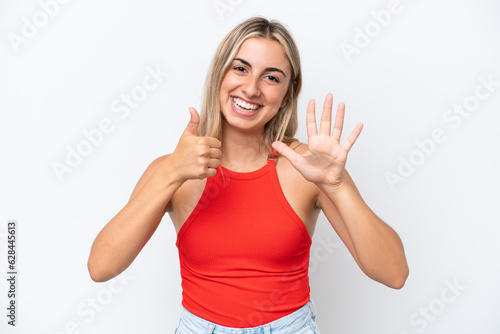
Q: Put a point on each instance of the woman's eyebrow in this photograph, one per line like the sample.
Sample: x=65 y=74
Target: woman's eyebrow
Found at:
x=268 y=69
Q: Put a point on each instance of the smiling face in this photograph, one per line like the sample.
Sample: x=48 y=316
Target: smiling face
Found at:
x=255 y=86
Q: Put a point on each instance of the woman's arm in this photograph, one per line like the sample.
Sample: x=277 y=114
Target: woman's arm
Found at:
x=121 y=240
x=374 y=245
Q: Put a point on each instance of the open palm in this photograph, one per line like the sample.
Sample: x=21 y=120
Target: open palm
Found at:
x=324 y=162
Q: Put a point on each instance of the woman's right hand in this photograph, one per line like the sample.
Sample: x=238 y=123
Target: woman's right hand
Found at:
x=195 y=157
x=121 y=240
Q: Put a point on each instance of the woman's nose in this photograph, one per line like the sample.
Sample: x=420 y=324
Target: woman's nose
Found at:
x=251 y=86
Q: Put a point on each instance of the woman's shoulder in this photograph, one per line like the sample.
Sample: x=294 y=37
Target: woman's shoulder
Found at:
x=300 y=193
x=286 y=167
x=298 y=147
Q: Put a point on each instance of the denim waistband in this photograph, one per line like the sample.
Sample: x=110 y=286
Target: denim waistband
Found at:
x=286 y=324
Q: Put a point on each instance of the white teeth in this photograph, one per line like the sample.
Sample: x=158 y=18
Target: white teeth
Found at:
x=244 y=105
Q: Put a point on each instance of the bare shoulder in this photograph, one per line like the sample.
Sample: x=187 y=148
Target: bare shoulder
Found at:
x=289 y=176
x=284 y=164
x=300 y=193
x=299 y=148
x=189 y=191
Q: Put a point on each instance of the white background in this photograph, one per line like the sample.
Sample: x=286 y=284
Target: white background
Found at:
x=65 y=76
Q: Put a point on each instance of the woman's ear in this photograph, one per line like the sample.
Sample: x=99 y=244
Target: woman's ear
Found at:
x=284 y=102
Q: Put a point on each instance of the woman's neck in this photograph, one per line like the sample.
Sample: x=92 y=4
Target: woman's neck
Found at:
x=243 y=151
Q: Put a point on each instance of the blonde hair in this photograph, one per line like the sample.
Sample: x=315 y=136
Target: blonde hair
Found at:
x=284 y=124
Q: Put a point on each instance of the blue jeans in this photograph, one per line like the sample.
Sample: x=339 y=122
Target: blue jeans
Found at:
x=302 y=321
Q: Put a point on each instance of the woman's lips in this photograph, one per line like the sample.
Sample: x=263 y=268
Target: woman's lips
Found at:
x=244 y=108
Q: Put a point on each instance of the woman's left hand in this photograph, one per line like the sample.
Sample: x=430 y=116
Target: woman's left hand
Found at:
x=324 y=162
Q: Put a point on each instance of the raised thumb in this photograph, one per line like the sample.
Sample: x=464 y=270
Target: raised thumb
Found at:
x=193 y=124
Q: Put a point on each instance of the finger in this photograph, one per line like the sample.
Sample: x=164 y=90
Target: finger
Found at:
x=215 y=153
x=286 y=151
x=325 y=127
x=312 y=129
x=353 y=137
x=193 y=124
x=339 y=122
x=210 y=172
x=213 y=163
x=213 y=142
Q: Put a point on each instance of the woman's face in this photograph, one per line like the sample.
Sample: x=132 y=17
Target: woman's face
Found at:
x=255 y=86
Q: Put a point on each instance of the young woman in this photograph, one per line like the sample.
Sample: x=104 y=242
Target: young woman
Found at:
x=244 y=197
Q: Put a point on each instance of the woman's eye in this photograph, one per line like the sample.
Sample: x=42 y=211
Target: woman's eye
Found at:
x=239 y=68
x=272 y=78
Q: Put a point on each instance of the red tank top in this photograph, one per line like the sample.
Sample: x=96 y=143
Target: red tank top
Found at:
x=243 y=251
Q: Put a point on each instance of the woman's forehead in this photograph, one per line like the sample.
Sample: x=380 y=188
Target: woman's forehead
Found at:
x=263 y=52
